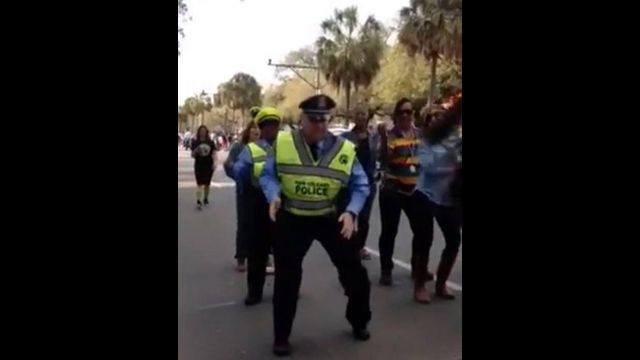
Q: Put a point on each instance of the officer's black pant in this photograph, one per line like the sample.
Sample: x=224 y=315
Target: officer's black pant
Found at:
x=260 y=232
x=391 y=205
x=295 y=234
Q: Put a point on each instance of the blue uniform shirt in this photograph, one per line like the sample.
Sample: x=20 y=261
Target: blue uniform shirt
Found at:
x=243 y=166
x=358 y=185
x=439 y=163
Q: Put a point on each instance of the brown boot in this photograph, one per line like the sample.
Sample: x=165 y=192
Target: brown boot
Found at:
x=413 y=266
x=420 y=293
x=444 y=270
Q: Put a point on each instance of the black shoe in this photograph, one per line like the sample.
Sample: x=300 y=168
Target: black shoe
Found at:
x=206 y=202
x=199 y=204
x=385 y=279
x=252 y=300
x=361 y=334
x=282 y=348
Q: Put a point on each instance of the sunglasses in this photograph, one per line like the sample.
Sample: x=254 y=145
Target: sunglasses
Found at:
x=318 y=118
x=406 y=112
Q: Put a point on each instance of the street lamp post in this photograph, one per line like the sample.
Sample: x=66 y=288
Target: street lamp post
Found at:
x=293 y=68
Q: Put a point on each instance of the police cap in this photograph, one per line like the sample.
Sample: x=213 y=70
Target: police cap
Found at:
x=317 y=106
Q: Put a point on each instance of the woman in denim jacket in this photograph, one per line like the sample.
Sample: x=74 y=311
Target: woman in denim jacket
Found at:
x=440 y=155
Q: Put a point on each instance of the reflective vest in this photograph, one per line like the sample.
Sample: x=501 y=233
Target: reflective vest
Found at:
x=259 y=157
x=309 y=187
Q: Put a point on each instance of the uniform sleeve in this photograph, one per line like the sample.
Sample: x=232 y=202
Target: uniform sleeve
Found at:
x=268 y=179
x=242 y=167
x=358 y=188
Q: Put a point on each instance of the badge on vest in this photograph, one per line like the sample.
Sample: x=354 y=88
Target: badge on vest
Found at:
x=311 y=188
x=343 y=159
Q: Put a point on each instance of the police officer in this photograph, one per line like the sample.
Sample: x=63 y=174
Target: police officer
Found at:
x=247 y=171
x=301 y=181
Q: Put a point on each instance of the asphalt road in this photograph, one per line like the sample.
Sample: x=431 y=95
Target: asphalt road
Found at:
x=214 y=324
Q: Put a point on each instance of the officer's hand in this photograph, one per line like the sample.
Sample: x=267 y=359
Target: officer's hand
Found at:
x=274 y=207
x=348 y=226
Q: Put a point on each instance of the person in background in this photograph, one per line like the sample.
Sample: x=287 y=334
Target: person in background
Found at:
x=247 y=171
x=250 y=134
x=203 y=150
x=186 y=140
x=440 y=154
x=366 y=151
x=398 y=156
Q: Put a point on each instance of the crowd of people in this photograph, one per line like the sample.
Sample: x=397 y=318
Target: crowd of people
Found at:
x=222 y=140
x=305 y=184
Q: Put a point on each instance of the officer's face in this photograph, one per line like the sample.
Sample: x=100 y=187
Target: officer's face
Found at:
x=314 y=127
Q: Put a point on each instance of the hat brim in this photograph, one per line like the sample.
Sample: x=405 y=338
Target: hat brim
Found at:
x=269 y=120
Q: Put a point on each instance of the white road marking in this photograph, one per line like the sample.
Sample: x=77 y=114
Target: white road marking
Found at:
x=214 y=184
x=404 y=265
x=219 y=305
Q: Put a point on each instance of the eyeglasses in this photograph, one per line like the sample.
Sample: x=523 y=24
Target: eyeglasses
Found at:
x=318 y=118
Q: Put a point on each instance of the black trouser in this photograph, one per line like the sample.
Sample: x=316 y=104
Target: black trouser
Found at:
x=360 y=237
x=260 y=232
x=241 y=227
x=391 y=205
x=295 y=236
x=448 y=219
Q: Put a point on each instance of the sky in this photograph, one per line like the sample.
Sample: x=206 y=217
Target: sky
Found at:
x=229 y=36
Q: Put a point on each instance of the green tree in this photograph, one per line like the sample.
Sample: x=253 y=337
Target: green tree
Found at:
x=190 y=108
x=182 y=18
x=400 y=76
x=205 y=104
x=241 y=92
x=349 y=53
x=433 y=29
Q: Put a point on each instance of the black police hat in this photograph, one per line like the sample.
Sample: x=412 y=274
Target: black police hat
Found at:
x=317 y=105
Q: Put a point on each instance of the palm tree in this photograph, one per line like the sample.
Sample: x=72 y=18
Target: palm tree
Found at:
x=433 y=29
x=205 y=104
x=191 y=108
x=349 y=53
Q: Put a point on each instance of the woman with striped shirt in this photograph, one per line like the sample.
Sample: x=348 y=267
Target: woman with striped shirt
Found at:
x=399 y=161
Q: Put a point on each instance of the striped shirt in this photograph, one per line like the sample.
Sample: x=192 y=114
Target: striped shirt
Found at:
x=402 y=165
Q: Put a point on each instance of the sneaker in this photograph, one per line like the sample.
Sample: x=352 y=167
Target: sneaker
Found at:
x=252 y=300
x=361 y=334
x=282 y=348
x=199 y=205
x=385 y=279
x=206 y=202
x=364 y=254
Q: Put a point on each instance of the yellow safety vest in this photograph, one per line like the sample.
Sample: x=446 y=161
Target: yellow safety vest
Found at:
x=310 y=188
x=259 y=158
